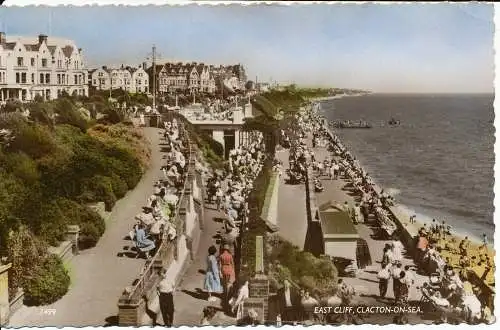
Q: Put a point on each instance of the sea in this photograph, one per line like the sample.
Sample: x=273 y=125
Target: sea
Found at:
x=438 y=163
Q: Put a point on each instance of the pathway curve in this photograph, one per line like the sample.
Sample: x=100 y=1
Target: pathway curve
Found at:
x=99 y=275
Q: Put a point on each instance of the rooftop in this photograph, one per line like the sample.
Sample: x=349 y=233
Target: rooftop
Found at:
x=337 y=223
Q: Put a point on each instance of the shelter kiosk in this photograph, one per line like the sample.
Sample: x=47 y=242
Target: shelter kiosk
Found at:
x=339 y=235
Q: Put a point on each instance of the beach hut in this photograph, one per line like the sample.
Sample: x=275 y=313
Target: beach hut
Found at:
x=338 y=233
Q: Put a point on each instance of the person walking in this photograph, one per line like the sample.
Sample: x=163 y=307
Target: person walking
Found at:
x=226 y=263
x=383 y=276
x=212 y=276
x=165 y=291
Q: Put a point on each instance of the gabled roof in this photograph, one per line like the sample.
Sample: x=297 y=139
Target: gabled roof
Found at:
x=10 y=45
x=32 y=48
x=52 y=49
x=67 y=51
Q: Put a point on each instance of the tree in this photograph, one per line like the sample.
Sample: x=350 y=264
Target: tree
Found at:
x=249 y=85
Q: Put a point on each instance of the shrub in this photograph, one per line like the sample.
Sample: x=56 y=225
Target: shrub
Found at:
x=89 y=235
x=67 y=113
x=22 y=166
x=119 y=186
x=33 y=139
x=51 y=223
x=25 y=252
x=48 y=283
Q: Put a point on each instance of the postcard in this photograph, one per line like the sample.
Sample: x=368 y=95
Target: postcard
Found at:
x=247 y=164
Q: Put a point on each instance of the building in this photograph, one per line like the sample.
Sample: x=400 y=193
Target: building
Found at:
x=338 y=233
x=46 y=67
x=132 y=80
x=184 y=78
x=196 y=77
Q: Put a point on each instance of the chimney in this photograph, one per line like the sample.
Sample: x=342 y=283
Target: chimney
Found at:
x=42 y=38
x=144 y=66
x=79 y=50
x=3 y=38
x=104 y=67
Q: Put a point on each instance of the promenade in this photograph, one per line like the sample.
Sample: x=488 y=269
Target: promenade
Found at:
x=292 y=221
x=100 y=274
x=292 y=213
x=366 y=282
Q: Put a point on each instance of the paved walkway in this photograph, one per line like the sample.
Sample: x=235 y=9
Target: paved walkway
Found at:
x=189 y=299
x=292 y=214
x=99 y=275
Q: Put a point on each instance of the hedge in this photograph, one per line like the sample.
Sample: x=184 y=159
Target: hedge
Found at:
x=48 y=283
x=317 y=275
x=52 y=169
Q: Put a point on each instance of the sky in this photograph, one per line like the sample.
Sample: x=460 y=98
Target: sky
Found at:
x=404 y=48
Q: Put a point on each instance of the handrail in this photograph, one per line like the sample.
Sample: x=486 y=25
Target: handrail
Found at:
x=164 y=241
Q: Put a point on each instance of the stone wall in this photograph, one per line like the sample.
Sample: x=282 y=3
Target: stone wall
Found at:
x=269 y=212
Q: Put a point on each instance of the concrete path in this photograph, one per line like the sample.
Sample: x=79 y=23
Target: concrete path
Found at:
x=292 y=214
x=189 y=299
x=99 y=275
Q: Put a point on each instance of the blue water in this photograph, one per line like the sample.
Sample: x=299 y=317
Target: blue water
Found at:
x=440 y=159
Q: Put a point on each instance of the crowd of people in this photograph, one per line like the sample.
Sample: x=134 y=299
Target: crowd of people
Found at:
x=229 y=191
x=156 y=222
x=445 y=283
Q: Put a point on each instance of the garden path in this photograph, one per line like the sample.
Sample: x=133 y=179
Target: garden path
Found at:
x=99 y=275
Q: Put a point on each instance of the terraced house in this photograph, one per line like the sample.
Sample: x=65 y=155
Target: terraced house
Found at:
x=43 y=66
x=132 y=80
x=184 y=78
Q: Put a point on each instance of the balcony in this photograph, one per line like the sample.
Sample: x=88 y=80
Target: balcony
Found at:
x=20 y=67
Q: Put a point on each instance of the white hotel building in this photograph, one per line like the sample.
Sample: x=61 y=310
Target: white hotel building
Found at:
x=45 y=66
x=132 y=80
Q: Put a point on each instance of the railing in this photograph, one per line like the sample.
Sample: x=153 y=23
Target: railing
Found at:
x=149 y=269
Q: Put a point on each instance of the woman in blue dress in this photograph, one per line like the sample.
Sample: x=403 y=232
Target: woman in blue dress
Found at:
x=212 y=276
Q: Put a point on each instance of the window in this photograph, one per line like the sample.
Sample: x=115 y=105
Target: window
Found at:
x=95 y=82
x=41 y=78
x=18 y=78
x=113 y=81
x=47 y=78
x=58 y=79
x=20 y=61
x=32 y=78
x=75 y=79
x=44 y=62
x=23 y=78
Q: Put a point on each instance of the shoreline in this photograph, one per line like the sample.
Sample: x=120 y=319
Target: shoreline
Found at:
x=405 y=211
x=409 y=231
x=334 y=97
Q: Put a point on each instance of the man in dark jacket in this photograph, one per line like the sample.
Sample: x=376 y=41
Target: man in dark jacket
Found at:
x=288 y=303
